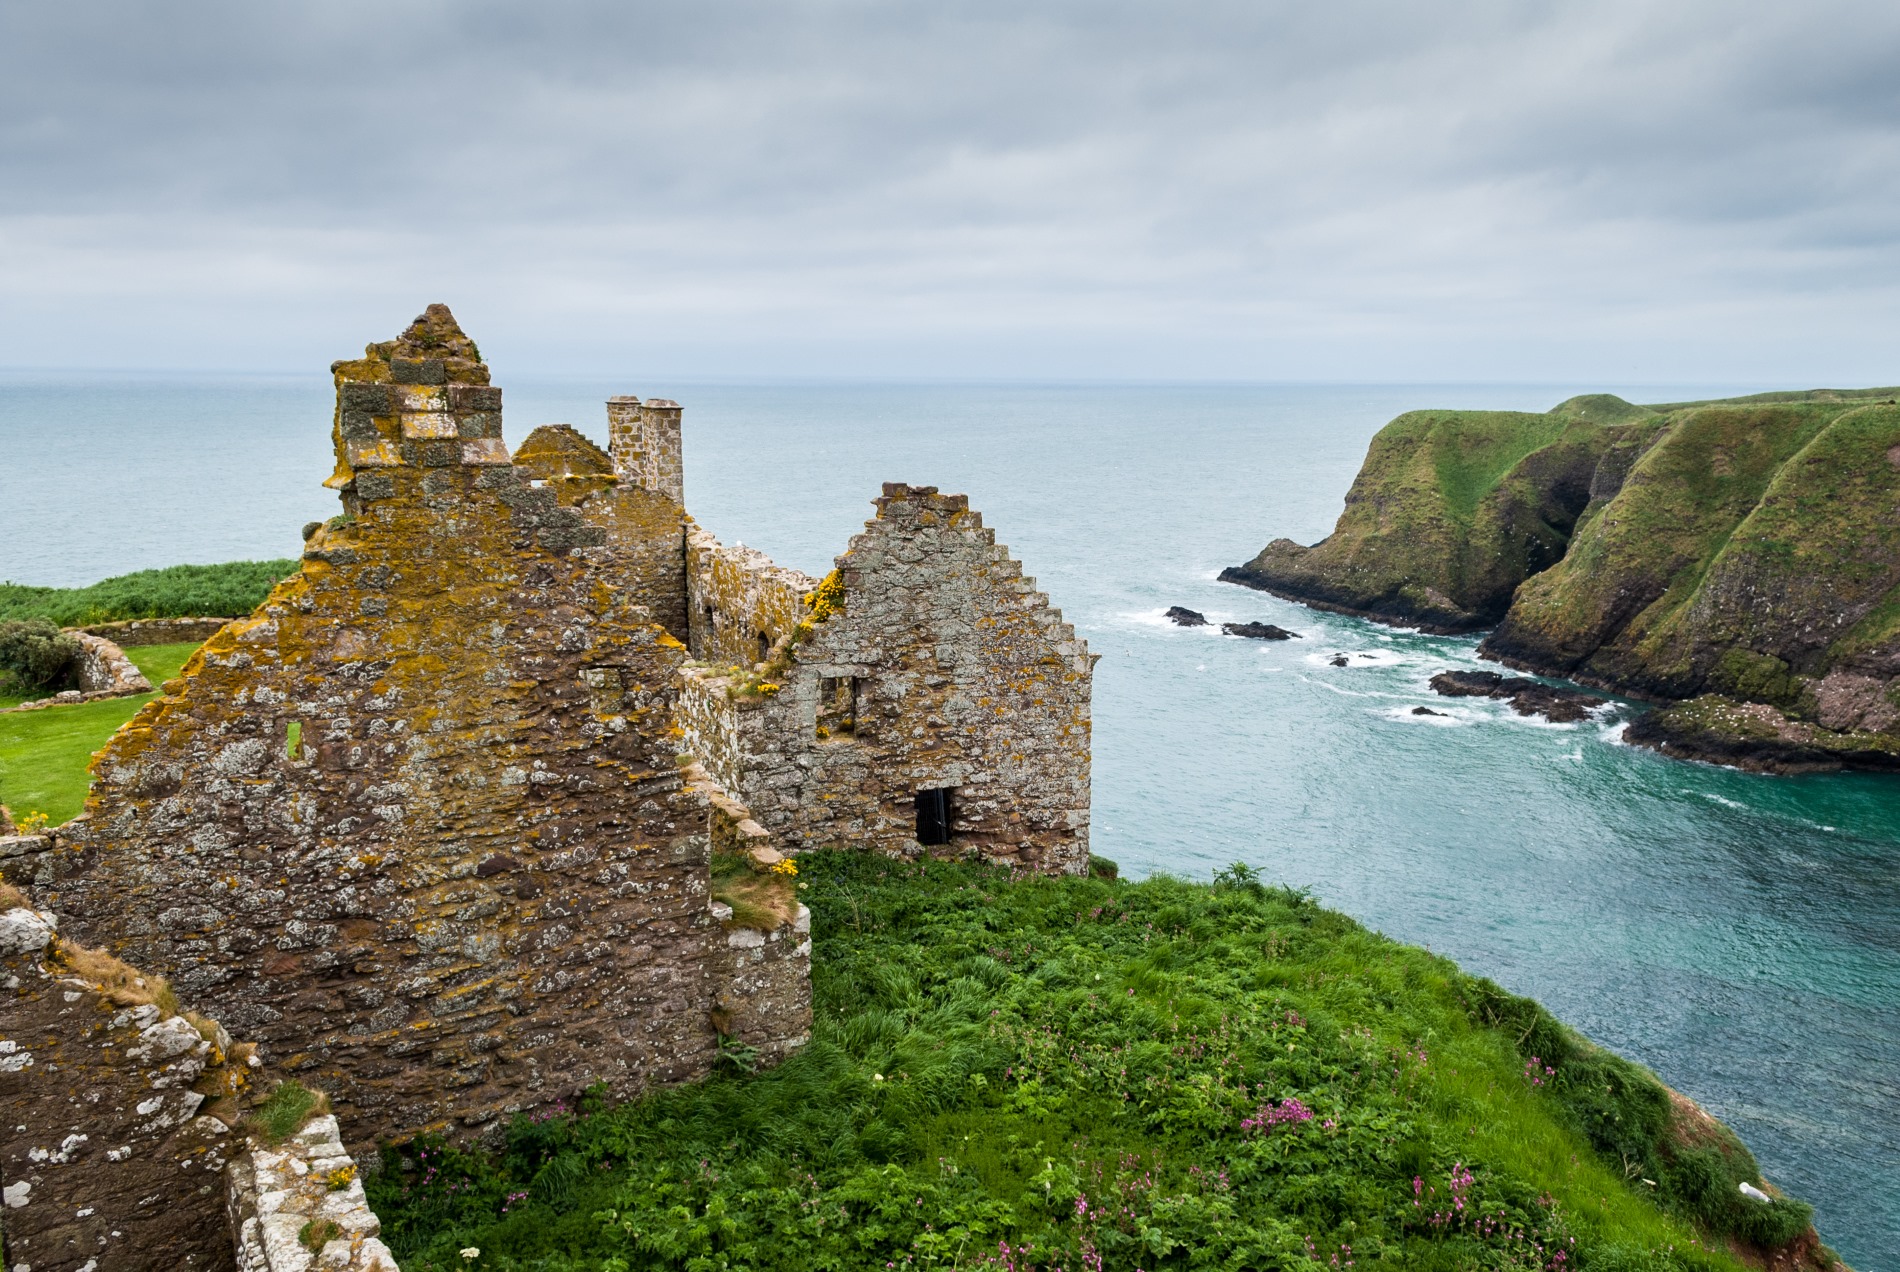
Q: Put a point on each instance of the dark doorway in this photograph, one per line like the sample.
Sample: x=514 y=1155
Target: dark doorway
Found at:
x=933 y=816
x=765 y=647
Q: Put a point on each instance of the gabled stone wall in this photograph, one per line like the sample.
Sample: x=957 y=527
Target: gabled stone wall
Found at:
x=417 y=825
x=931 y=663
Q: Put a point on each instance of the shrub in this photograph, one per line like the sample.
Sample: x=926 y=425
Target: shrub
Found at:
x=36 y=654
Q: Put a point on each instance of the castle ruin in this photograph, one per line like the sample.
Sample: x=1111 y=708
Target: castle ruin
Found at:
x=433 y=825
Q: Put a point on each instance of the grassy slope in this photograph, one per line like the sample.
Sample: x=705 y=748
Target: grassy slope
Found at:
x=1037 y=1073
x=1639 y=559
x=235 y=587
x=1451 y=510
x=1752 y=546
x=44 y=754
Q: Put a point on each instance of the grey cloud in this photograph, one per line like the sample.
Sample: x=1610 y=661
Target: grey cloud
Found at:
x=1249 y=189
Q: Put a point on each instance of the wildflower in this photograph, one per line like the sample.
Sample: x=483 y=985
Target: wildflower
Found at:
x=786 y=867
x=470 y=1252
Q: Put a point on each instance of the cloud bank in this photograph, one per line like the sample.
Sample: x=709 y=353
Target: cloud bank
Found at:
x=1358 y=191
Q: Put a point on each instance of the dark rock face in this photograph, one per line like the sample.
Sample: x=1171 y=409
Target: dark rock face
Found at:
x=1426 y=711
x=1181 y=616
x=1758 y=738
x=1260 y=631
x=1527 y=697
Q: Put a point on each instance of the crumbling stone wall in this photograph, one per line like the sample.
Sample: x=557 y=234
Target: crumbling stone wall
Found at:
x=643 y=530
x=417 y=825
x=299 y=1207
x=105 y=671
x=110 y=1153
x=741 y=604
x=929 y=662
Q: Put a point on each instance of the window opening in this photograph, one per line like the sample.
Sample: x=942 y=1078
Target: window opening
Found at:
x=838 y=706
x=933 y=816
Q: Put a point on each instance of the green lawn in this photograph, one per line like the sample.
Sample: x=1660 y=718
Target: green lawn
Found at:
x=1035 y=1074
x=43 y=754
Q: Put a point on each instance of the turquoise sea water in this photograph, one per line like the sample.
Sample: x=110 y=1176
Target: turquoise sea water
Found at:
x=1739 y=934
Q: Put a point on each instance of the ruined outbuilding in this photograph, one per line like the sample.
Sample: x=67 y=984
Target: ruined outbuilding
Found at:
x=433 y=825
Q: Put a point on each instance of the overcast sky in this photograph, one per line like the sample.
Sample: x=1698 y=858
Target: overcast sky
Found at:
x=1697 y=190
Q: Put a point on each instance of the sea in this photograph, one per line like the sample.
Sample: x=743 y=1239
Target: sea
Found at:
x=1739 y=934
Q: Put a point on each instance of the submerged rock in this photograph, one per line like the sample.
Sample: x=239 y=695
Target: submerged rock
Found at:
x=1260 y=631
x=1340 y=660
x=1426 y=711
x=1527 y=697
x=1181 y=616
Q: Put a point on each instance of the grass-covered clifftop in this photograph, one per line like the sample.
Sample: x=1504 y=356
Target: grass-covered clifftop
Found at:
x=177 y=591
x=1453 y=509
x=1735 y=552
x=1029 y=1073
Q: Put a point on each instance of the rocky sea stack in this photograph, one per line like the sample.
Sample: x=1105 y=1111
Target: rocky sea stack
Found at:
x=1737 y=560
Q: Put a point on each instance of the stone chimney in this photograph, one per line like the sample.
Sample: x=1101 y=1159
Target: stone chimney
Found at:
x=644 y=440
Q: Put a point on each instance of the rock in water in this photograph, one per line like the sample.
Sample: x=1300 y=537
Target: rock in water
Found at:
x=1260 y=631
x=1181 y=616
x=1426 y=711
x=1527 y=697
x=1339 y=660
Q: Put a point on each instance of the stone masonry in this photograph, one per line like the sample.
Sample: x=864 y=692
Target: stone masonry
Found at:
x=418 y=825
x=925 y=662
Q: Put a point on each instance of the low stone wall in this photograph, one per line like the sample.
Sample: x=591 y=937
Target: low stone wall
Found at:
x=299 y=1206
x=104 y=672
x=157 y=631
x=104 y=668
x=765 y=999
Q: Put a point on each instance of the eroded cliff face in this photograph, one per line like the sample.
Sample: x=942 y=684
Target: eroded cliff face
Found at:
x=1741 y=558
x=1751 y=563
x=1453 y=509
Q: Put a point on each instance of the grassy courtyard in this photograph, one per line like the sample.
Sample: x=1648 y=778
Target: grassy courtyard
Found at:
x=43 y=754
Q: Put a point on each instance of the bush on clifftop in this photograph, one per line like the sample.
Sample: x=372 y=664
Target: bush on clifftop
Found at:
x=1090 y=1074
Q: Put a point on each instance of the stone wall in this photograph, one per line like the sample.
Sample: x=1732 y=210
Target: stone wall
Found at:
x=933 y=665
x=765 y=976
x=110 y=1156
x=416 y=825
x=299 y=1207
x=643 y=549
x=105 y=671
x=158 y=631
x=740 y=603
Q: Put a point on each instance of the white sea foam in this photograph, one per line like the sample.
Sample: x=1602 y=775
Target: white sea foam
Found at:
x=1440 y=719
x=1722 y=800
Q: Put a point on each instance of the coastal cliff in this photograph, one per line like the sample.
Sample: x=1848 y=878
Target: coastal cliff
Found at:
x=1738 y=561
